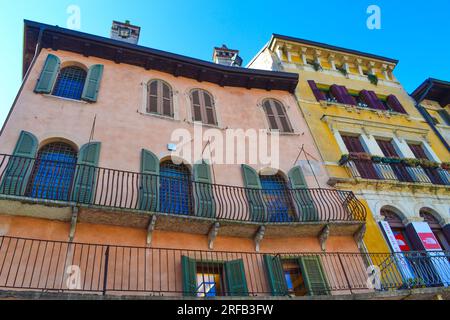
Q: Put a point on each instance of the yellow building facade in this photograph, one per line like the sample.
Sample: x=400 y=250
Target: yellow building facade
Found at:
x=371 y=137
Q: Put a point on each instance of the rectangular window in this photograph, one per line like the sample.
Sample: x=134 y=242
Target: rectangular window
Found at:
x=210 y=278
x=294 y=279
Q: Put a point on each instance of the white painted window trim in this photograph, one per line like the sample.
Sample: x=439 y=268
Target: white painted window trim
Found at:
x=143 y=107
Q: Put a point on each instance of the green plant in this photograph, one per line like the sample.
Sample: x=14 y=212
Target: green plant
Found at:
x=425 y=163
x=411 y=162
x=391 y=160
x=373 y=79
x=377 y=159
x=360 y=156
x=344 y=159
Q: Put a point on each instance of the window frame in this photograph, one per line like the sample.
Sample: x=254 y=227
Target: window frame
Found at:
x=159 y=99
x=58 y=78
x=203 y=108
x=277 y=117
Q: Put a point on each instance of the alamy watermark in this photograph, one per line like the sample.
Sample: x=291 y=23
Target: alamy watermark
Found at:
x=74 y=19
x=230 y=146
x=374 y=19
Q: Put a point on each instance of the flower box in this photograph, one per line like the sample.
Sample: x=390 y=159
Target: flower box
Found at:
x=344 y=159
x=389 y=160
x=411 y=162
x=425 y=163
x=360 y=156
x=377 y=159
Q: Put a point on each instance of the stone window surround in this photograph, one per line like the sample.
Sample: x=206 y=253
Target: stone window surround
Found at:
x=368 y=131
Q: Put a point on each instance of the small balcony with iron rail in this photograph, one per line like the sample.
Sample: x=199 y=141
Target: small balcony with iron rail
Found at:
x=41 y=266
x=417 y=173
x=125 y=198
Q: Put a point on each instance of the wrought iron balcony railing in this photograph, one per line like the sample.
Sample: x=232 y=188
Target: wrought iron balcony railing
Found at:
x=368 y=169
x=94 y=186
x=41 y=265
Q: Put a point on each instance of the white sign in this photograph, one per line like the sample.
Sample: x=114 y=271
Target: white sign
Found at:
x=401 y=262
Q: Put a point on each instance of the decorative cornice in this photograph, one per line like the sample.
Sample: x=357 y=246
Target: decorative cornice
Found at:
x=335 y=122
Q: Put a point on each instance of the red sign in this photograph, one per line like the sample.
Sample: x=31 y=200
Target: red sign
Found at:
x=401 y=241
x=429 y=241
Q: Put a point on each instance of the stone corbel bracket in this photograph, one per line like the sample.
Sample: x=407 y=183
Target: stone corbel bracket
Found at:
x=359 y=236
x=212 y=235
x=73 y=223
x=323 y=237
x=259 y=236
x=150 y=229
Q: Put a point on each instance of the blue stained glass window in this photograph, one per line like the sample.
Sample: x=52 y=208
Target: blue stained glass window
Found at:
x=70 y=83
x=277 y=198
x=53 y=172
x=175 y=188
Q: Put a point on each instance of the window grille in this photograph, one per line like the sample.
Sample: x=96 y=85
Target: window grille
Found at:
x=53 y=172
x=175 y=188
x=70 y=83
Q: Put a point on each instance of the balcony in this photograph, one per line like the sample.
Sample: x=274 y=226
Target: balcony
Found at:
x=62 y=267
x=396 y=171
x=132 y=199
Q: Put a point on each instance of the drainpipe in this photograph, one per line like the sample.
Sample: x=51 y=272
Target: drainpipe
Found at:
x=425 y=114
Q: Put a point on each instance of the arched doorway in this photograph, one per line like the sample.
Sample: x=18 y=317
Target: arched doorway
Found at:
x=175 y=188
x=53 y=172
x=435 y=228
x=398 y=229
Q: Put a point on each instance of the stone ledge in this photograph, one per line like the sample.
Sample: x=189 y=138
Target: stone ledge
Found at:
x=413 y=294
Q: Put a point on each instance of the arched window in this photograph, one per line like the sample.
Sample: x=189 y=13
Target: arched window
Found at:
x=436 y=228
x=53 y=172
x=398 y=228
x=277 y=198
x=276 y=114
x=160 y=98
x=175 y=188
x=203 y=108
x=70 y=83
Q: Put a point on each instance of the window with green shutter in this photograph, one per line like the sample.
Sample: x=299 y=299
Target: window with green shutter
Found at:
x=314 y=275
x=236 y=280
x=253 y=189
x=20 y=165
x=205 y=205
x=86 y=173
x=203 y=278
x=48 y=75
x=92 y=84
x=303 y=197
x=275 y=275
x=149 y=182
x=189 y=270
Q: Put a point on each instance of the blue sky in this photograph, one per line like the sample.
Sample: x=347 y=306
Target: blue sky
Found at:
x=416 y=32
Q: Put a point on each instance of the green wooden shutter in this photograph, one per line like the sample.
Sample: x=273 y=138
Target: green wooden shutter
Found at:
x=205 y=205
x=149 y=182
x=236 y=280
x=20 y=165
x=86 y=173
x=189 y=269
x=92 y=85
x=275 y=275
x=254 y=194
x=48 y=75
x=303 y=197
x=314 y=276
